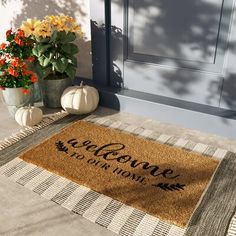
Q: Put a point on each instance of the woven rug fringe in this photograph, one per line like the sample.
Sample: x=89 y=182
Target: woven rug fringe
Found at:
x=24 y=132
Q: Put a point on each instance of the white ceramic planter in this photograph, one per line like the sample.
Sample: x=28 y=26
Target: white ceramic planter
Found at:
x=14 y=99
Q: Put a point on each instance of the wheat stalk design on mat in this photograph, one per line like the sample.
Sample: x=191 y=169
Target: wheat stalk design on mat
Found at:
x=170 y=187
x=61 y=147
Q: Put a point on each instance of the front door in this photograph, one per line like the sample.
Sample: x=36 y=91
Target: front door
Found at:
x=172 y=48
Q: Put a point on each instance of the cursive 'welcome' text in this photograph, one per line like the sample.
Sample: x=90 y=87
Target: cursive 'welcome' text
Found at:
x=111 y=152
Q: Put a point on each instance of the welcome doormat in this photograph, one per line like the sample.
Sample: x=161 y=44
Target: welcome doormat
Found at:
x=158 y=179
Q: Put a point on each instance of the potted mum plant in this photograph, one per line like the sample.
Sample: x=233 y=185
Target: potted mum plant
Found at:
x=16 y=79
x=55 y=50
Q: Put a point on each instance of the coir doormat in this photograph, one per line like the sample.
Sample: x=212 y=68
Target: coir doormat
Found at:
x=158 y=179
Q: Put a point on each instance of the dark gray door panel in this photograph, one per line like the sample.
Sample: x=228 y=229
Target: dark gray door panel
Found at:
x=177 y=49
x=188 y=85
x=181 y=29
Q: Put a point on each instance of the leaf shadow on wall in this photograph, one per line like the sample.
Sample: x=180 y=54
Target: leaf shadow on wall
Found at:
x=75 y=8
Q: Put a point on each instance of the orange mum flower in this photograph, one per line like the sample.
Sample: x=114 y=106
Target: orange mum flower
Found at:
x=30 y=59
x=26 y=72
x=9 y=32
x=25 y=91
x=34 y=78
x=12 y=72
x=16 y=62
x=2 y=61
x=20 y=33
x=3 y=46
x=18 y=41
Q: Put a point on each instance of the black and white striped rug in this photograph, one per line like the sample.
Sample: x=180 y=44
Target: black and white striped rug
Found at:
x=96 y=207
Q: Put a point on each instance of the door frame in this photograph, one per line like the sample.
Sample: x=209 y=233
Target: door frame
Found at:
x=104 y=45
x=100 y=45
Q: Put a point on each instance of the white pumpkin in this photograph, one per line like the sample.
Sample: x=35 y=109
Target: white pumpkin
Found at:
x=28 y=116
x=80 y=100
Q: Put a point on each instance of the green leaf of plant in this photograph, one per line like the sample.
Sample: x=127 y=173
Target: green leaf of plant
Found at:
x=51 y=55
x=61 y=64
x=41 y=60
x=42 y=48
x=42 y=40
x=46 y=71
x=70 y=48
x=35 y=51
x=70 y=37
x=46 y=61
x=61 y=36
x=70 y=71
x=53 y=37
x=66 y=37
x=72 y=60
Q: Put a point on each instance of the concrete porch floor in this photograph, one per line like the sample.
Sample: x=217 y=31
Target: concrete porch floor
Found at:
x=25 y=213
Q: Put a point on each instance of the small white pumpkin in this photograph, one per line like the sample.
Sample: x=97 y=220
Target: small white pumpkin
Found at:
x=28 y=116
x=80 y=100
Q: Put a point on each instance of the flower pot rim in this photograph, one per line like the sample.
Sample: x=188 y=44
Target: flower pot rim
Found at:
x=13 y=88
x=4 y=88
x=56 y=77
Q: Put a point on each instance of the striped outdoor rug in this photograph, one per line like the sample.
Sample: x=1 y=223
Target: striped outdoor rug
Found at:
x=103 y=210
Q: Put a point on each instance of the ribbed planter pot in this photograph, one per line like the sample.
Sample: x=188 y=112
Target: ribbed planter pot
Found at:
x=37 y=92
x=14 y=99
x=52 y=89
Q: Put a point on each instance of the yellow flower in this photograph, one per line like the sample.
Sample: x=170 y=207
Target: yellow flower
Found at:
x=51 y=19
x=45 y=30
x=76 y=29
x=31 y=27
x=70 y=19
x=55 y=20
x=60 y=23
x=61 y=27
